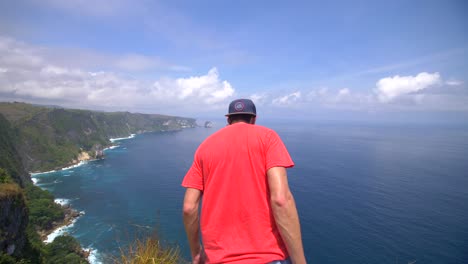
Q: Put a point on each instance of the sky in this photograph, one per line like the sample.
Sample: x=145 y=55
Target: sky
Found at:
x=338 y=60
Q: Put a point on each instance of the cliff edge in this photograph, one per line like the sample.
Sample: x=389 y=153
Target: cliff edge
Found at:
x=13 y=219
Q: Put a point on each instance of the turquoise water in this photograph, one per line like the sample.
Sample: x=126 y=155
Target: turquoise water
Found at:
x=365 y=193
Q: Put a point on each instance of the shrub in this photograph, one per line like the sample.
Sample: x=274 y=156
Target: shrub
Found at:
x=64 y=250
x=150 y=251
x=43 y=211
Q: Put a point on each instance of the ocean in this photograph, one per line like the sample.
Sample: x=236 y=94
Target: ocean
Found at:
x=366 y=193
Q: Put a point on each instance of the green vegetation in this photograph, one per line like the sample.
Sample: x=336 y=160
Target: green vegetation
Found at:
x=43 y=211
x=35 y=138
x=64 y=250
x=27 y=211
x=5 y=177
x=10 y=160
x=150 y=251
x=49 y=138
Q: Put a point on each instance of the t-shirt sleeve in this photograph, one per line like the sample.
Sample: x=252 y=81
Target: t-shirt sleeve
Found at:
x=276 y=153
x=194 y=176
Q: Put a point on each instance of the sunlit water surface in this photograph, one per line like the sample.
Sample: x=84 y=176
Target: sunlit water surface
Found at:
x=365 y=193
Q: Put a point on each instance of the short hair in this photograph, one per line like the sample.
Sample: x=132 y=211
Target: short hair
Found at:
x=241 y=117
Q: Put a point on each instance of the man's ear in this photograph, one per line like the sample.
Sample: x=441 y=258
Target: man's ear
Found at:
x=229 y=121
x=253 y=119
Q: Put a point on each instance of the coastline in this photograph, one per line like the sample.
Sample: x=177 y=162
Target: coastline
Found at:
x=83 y=158
x=60 y=228
x=122 y=138
x=72 y=215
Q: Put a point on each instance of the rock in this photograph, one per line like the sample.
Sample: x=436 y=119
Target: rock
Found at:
x=11 y=249
x=13 y=219
x=208 y=124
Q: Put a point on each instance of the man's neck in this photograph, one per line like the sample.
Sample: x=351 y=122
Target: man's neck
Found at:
x=239 y=121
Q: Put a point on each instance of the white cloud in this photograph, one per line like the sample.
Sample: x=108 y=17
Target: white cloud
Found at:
x=31 y=77
x=342 y=99
x=316 y=94
x=31 y=73
x=138 y=62
x=390 y=88
x=135 y=62
x=259 y=98
x=343 y=92
x=207 y=88
x=287 y=99
x=453 y=83
x=101 y=8
x=18 y=54
x=179 y=68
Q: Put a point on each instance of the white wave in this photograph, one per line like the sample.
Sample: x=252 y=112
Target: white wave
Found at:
x=60 y=231
x=34 y=180
x=75 y=165
x=34 y=174
x=94 y=256
x=122 y=138
x=62 y=201
x=111 y=147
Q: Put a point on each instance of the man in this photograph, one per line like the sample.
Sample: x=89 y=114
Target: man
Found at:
x=248 y=213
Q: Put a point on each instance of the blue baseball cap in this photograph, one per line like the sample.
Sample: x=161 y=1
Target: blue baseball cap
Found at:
x=242 y=106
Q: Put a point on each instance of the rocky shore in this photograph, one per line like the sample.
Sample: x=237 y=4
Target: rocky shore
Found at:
x=70 y=216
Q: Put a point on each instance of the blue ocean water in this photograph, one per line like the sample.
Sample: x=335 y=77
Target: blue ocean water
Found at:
x=366 y=193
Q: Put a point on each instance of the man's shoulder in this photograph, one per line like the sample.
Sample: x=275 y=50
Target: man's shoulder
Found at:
x=263 y=130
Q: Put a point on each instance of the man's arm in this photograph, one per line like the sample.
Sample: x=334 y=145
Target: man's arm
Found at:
x=285 y=213
x=192 y=223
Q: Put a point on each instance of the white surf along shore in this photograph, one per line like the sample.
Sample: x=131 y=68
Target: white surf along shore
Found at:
x=94 y=256
x=123 y=138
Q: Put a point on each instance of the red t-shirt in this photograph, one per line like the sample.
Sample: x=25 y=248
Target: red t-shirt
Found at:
x=230 y=168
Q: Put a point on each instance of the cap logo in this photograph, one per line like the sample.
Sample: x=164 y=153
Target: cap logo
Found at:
x=239 y=106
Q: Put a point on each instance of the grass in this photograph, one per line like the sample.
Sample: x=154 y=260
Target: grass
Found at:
x=9 y=190
x=149 y=251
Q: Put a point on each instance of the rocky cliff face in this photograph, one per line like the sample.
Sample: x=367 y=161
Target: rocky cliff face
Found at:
x=13 y=219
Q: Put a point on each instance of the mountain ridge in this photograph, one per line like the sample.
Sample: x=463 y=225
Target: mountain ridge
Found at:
x=50 y=137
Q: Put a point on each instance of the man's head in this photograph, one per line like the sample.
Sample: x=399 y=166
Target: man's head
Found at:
x=242 y=110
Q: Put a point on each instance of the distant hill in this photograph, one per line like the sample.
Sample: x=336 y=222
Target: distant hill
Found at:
x=42 y=138
x=26 y=209
x=47 y=137
x=10 y=160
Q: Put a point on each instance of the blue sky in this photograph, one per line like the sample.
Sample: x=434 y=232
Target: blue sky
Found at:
x=302 y=59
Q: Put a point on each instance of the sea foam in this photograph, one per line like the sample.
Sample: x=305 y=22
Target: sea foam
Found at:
x=61 y=230
x=34 y=174
x=75 y=165
x=94 y=256
x=111 y=147
x=62 y=201
x=122 y=138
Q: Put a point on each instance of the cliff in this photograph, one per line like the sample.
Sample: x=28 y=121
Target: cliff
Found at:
x=49 y=138
x=36 y=138
x=13 y=219
x=10 y=159
x=23 y=212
